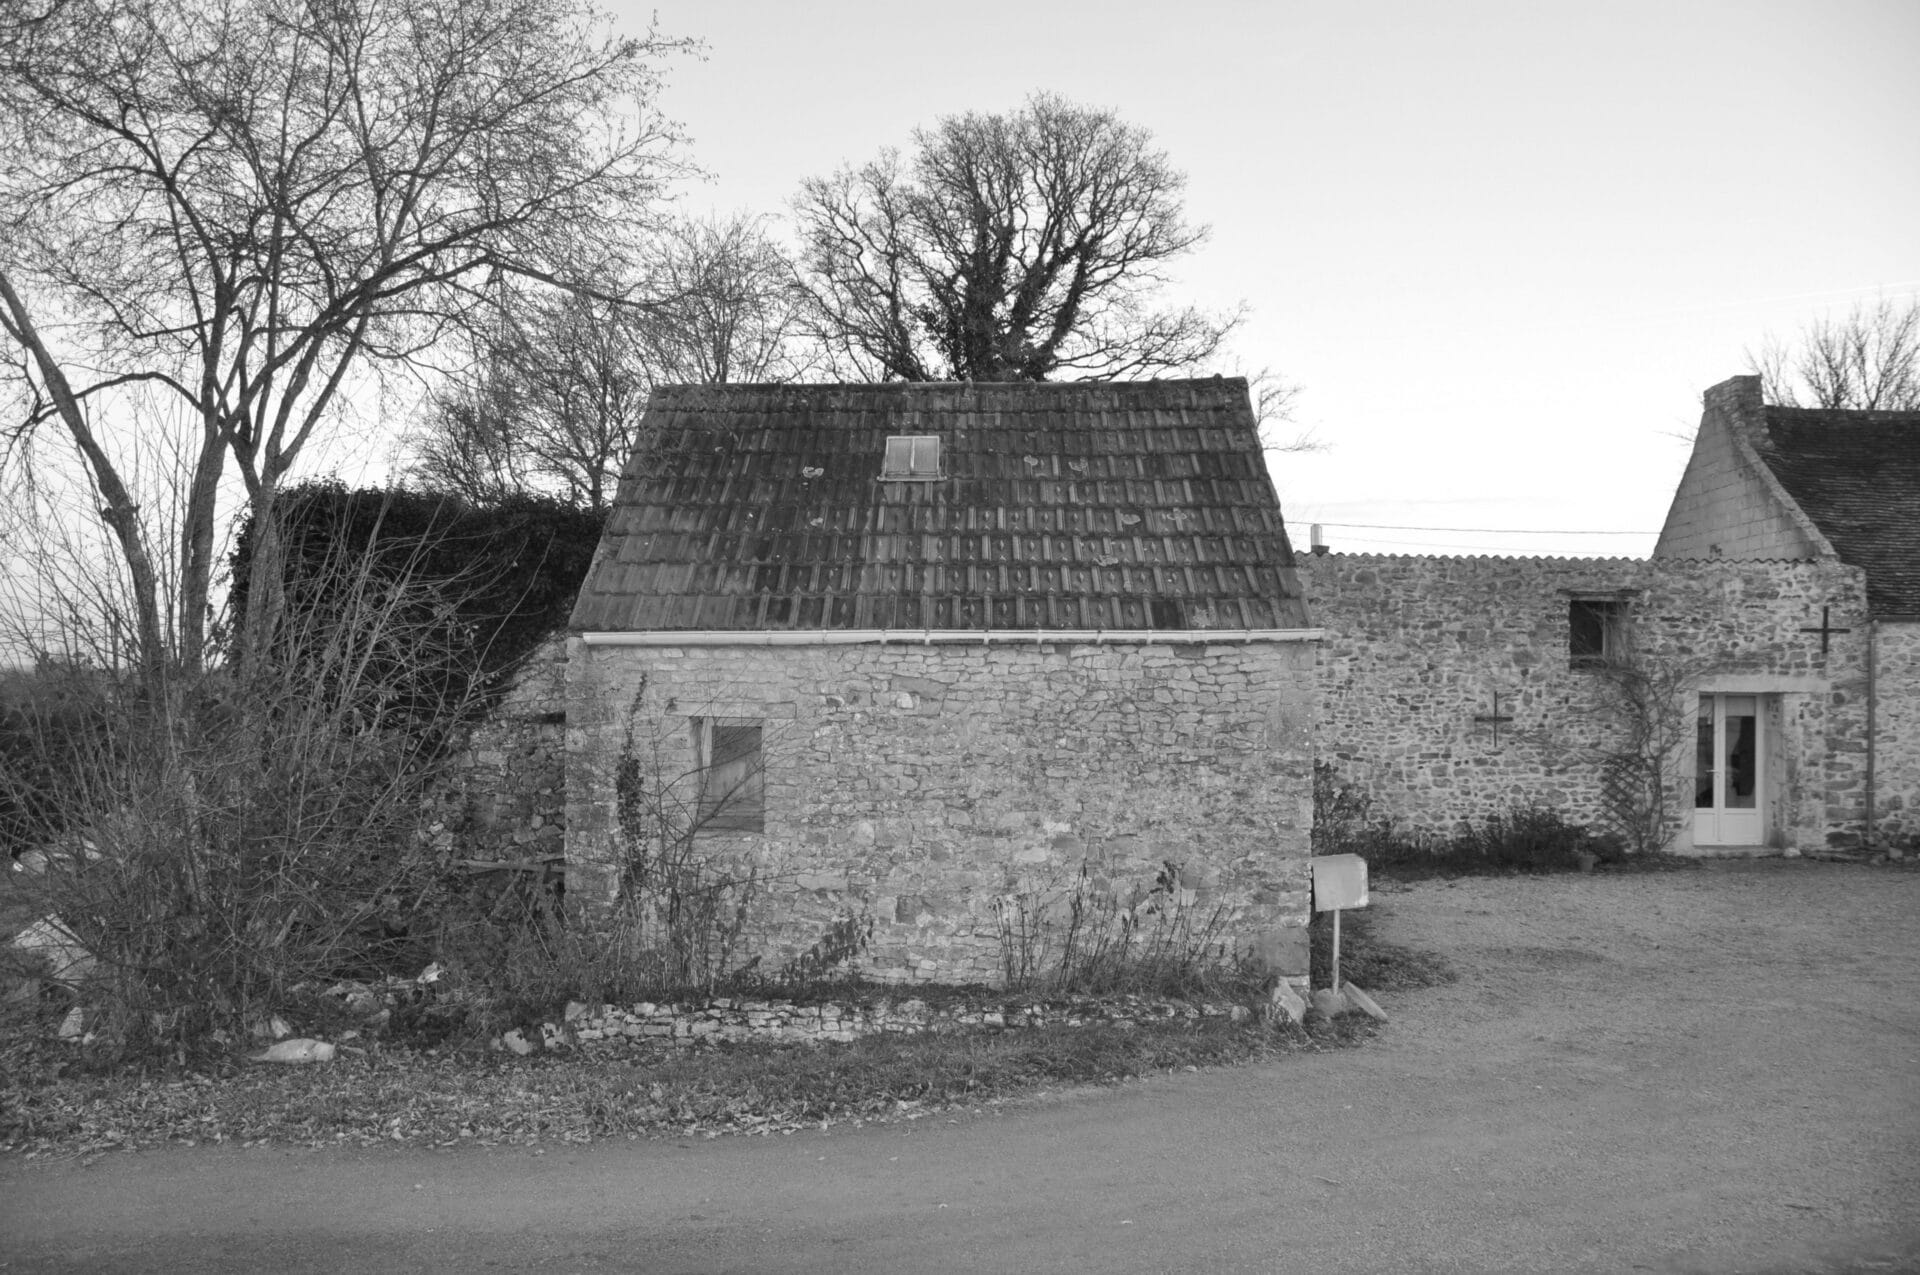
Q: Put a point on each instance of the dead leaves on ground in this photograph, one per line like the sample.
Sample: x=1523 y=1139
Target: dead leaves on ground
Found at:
x=397 y=1097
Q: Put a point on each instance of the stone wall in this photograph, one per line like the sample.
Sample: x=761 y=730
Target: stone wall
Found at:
x=736 y=1019
x=1896 y=732
x=504 y=797
x=1418 y=648
x=959 y=796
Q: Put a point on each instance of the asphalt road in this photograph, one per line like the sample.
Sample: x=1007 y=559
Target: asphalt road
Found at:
x=1715 y=1071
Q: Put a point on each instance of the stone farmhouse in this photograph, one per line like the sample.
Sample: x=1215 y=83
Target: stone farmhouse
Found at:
x=1841 y=489
x=1458 y=688
x=1754 y=686
x=952 y=658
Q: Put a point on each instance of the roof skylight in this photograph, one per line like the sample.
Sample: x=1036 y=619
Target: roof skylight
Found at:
x=912 y=458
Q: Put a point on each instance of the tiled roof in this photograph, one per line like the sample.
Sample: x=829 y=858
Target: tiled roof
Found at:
x=1857 y=476
x=1063 y=506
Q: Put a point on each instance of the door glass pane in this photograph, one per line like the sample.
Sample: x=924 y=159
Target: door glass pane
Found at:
x=1742 y=733
x=1703 y=756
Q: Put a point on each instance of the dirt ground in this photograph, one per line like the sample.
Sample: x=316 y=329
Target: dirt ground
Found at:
x=1710 y=1071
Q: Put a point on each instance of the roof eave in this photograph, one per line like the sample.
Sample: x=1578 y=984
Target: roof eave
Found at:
x=965 y=637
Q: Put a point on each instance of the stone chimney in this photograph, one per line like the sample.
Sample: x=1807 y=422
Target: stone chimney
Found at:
x=1737 y=402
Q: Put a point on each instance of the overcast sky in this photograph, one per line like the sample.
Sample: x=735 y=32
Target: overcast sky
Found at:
x=1502 y=247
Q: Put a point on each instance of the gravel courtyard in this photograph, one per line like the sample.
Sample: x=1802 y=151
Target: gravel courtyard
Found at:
x=1701 y=1071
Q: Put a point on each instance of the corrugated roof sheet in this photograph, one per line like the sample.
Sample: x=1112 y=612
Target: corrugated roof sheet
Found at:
x=1065 y=506
x=1857 y=476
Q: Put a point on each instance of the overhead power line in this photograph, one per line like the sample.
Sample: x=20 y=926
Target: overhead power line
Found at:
x=1494 y=531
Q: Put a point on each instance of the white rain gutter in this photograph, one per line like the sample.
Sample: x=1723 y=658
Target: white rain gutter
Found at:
x=975 y=637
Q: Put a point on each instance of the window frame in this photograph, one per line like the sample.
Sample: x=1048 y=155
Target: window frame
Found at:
x=922 y=455
x=1612 y=613
x=743 y=806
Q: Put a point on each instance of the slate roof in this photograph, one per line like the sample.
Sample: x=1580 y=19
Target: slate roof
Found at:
x=1064 y=506
x=1857 y=476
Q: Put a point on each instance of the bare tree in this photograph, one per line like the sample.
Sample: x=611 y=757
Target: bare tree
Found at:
x=1025 y=246
x=734 y=310
x=559 y=383
x=251 y=203
x=1868 y=361
x=467 y=443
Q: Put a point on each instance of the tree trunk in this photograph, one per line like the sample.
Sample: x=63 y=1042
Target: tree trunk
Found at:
x=266 y=582
x=196 y=549
x=119 y=510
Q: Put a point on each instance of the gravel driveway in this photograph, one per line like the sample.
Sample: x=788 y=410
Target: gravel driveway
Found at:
x=1708 y=1071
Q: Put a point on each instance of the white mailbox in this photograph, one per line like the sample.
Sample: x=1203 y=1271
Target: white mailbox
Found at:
x=1339 y=881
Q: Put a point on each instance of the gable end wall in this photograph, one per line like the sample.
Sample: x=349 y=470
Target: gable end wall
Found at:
x=1725 y=506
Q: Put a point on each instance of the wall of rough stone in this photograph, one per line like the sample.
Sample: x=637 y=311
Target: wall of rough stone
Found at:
x=952 y=793
x=652 y=1027
x=1896 y=735
x=1418 y=647
x=504 y=795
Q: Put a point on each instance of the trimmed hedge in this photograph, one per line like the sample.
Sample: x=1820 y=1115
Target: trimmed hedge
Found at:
x=507 y=570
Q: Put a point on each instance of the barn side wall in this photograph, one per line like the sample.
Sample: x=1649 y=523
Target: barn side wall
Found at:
x=959 y=796
x=1418 y=648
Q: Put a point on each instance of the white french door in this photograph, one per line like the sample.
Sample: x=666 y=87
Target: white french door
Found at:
x=1729 y=806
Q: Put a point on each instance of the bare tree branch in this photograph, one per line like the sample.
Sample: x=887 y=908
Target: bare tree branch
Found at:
x=1868 y=361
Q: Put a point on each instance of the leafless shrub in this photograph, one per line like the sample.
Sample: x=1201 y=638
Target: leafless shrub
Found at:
x=1646 y=700
x=1157 y=939
x=682 y=913
x=219 y=838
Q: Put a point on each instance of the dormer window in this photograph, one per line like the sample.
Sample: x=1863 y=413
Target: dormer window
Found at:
x=912 y=458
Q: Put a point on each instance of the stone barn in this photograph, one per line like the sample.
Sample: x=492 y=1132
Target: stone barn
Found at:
x=929 y=670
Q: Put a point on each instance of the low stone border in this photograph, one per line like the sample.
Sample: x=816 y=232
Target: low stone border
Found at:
x=739 y=1019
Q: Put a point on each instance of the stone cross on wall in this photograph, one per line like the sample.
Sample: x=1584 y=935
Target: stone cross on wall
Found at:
x=1826 y=630
x=1494 y=718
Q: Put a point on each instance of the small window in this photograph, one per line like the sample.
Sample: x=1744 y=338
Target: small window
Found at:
x=912 y=458
x=732 y=774
x=1596 y=632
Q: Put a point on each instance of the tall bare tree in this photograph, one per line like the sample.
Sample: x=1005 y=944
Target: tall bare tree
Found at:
x=1024 y=246
x=1868 y=361
x=251 y=204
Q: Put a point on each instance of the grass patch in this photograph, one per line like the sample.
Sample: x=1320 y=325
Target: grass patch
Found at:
x=1371 y=962
x=426 y=1098
x=1421 y=859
